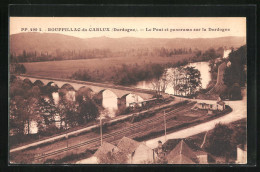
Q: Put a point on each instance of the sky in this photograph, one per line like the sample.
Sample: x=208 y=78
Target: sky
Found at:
x=145 y=27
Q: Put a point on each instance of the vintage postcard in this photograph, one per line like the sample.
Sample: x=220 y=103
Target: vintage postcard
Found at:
x=127 y=90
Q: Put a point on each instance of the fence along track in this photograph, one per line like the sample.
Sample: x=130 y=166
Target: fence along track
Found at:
x=117 y=133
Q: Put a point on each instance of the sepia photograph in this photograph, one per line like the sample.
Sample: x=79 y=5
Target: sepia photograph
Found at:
x=127 y=90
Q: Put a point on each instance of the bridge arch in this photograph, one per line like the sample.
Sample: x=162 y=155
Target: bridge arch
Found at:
x=68 y=92
x=55 y=83
x=84 y=92
x=27 y=83
x=131 y=98
x=107 y=98
x=38 y=83
x=27 y=80
x=68 y=87
x=51 y=83
x=108 y=93
x=109 y=101
x=85 y=89
x=135 y=94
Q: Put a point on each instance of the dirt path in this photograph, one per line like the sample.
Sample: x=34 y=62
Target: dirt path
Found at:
x=220 y=86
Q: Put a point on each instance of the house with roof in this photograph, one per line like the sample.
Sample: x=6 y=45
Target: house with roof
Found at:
x=136 y=152
x=103 y=152
x=185 y=151
x=219 y=105
x=127 y=151
x=182 y=154
x=100 y=154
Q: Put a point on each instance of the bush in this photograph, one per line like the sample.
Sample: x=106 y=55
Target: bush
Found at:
x=219 y=140
x=51 y=130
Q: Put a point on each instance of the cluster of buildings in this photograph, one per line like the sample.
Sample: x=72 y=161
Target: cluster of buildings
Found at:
x=173 y=151
x=129 y=151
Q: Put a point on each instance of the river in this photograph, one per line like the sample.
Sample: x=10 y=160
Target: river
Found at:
x=203 y=67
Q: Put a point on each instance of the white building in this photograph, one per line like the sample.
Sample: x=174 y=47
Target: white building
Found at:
x=241 y=154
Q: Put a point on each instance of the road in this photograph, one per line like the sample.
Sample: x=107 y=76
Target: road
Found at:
x=239 y=112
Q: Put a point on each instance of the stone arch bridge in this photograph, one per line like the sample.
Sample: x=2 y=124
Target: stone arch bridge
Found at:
x=97 y=88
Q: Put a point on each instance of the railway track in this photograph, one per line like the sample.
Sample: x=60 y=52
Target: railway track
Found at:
x=169 y=116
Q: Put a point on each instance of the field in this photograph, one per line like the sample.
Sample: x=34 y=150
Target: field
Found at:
x=63 y=69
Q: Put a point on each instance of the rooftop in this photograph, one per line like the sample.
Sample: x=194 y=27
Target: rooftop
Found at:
x=104 y=149
x=182 y=154
x=128 y=145
x=172 y=143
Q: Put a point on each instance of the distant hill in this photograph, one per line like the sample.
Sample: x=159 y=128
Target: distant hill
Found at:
x=52 y=42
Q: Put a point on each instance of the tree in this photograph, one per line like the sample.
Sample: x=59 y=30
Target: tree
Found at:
x=16 y=123
x=88 y=110
x=24 y=106
x=17 y=68
x=239 y=136
x=16 y=89
x=68 y=112
x=219 y=141
x=186 y=80
x=34 y=92
x=236 y=72
x=160 y=83
x=235 y=75
x=28 y=111
x=48 y=110
x=194 y=80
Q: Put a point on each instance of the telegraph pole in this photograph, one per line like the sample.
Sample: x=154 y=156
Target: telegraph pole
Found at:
x=100 y=130
x=164 y=125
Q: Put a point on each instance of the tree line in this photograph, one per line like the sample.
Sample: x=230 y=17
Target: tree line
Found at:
x=123 y=75
x=35 y=56
x=34 y=102
x=58 y=54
